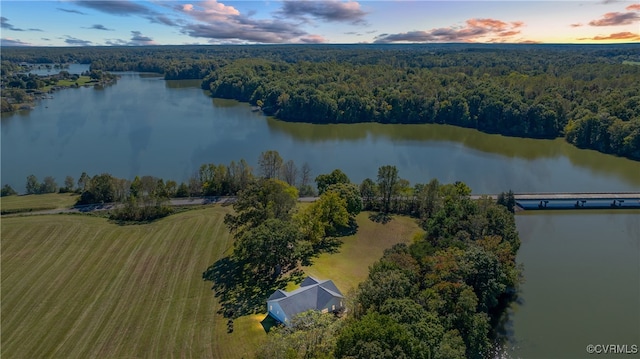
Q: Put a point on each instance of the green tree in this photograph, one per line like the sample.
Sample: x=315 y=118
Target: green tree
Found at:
x=83 y=181
x=262 y=200
x=351 y=194
x=323 y=181
x=428 y=199
x=33 y=186
x=69 y=184
x=507 y=200
x=171 y=188
x=270 y=164
x=7 y=191
x=331 y=211
x=369 y=193
x=183 y=190
x=48 y=185
x=387 y=185
x=312 y=334
x=270 y=249
x=136 y=187
x=377 y=336
x=100 y=189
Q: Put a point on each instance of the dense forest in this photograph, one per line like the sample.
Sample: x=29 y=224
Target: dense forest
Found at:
x=588 y=94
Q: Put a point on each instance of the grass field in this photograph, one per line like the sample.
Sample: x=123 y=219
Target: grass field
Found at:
x=78 y=286
x=81 y=81
x=37 y=202
x=350 y=265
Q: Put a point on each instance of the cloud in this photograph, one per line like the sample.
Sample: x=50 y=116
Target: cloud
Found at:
x=331 y=10
x=4 y=23
x=161 y=19
x=262 y=31
x=71 y=11
x=313 y=39
x=126 y=8
x=116 y=42
x=633 y=7
x=12 y=42
x=474 y=30
x=616 y=18
x=209 y=11
x=576 y=25
x=115 y=7
x=219 y=23
x=617 y=36
x=529 y=42
x=138 y=39
x=76 y=42
x=99 y=27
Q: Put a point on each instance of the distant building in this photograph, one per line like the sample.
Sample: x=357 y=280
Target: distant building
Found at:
x=314 y=294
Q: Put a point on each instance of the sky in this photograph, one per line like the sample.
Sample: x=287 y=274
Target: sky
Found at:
x=160 y=22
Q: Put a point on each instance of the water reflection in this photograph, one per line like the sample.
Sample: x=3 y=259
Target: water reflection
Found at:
x=512 y=147
x=145 y=125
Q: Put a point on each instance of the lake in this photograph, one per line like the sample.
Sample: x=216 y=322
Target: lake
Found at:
x=582 y=269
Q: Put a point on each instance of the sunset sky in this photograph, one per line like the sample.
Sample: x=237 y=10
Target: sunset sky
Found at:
x=159 y=22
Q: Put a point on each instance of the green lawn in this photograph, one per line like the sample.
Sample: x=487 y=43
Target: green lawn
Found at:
x=37 y=202
x=81 y=81
x=350 y=265
x=78 y=286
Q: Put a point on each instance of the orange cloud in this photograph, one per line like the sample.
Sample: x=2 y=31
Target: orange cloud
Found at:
x=475 y=30
x=617 y=36
x=634 y=7
x=487 y=23
x=576 y=25
x=313 y=39
x=508 y=33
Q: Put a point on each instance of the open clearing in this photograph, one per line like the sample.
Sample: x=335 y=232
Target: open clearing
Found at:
x=77 y=286
x=350 y=265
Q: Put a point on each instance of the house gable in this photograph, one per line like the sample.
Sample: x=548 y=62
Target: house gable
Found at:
x=313 y=294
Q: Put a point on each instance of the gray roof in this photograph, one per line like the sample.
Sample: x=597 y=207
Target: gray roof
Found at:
x=312 y=294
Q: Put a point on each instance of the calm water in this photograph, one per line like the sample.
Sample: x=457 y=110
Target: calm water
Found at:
x=582 y=284
x=144 y=125
x=582 y=270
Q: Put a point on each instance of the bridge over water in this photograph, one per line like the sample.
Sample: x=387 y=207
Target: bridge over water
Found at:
x=535 y=201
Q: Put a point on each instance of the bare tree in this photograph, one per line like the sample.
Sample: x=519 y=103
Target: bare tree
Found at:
x=305 y=175
x=290 y=173
x=270 y=164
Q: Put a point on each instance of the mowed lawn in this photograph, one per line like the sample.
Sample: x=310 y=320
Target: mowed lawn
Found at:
x=80 y=287
x=350 y=265
x=38 y=202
